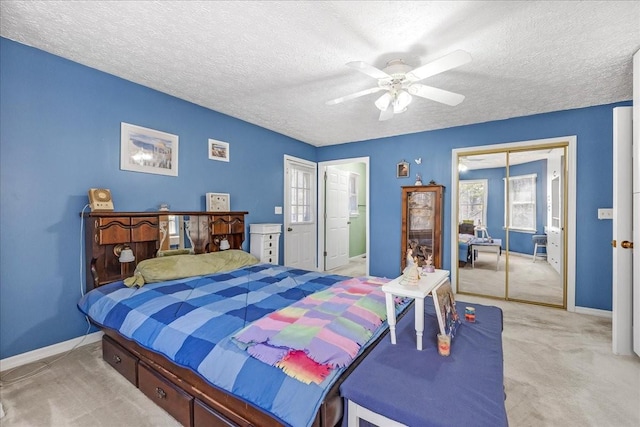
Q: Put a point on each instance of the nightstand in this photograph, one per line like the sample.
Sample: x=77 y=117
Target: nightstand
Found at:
x=265 y=242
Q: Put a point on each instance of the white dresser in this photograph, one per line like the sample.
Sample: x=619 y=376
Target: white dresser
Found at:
x=264 y=242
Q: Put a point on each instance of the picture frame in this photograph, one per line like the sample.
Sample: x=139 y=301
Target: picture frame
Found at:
x=148 y=150
x=218 y=202
x=402 y=170
x=218 y=150
x=446 y=313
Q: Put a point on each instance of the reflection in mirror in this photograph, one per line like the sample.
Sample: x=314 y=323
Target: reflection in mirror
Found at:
x=511 y=225
x=481 y=243
x=535 y=226
x=181 y=234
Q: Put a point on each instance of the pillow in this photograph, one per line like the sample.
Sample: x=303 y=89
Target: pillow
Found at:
x=181 y=266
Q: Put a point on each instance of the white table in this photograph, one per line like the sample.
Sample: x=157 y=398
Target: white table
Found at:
x=428 y=282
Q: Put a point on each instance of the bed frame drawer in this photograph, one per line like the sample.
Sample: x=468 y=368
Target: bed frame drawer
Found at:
x=120 y=359
x=166 y=395
x=203 y=416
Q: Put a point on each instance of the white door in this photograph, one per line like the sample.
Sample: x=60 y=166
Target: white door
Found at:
x=622 y=302
x=336 y=217
x=299 y=213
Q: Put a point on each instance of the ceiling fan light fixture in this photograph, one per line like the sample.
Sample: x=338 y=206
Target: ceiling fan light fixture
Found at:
x=383 y=102
x=401 y=102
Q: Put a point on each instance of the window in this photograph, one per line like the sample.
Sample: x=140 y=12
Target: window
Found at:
x=521 y=212
x=301 y=195
x=473 y=201
x=353 y=194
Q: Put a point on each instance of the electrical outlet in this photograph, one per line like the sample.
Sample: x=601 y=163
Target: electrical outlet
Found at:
x=605 y=213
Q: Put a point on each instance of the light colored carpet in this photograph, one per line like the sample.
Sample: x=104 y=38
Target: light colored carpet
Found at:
x=559 y=371
x=528 y=280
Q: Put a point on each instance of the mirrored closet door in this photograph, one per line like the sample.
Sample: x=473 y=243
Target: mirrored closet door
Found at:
x=511 y=224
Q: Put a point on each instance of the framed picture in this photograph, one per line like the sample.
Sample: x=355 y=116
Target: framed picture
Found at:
x=445 y=305
x=148 y=150
x=402 y=170
x=218 y=150
x=218 y=202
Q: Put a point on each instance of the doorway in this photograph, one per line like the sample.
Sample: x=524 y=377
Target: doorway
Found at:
x=343 y=226
x=513 y=221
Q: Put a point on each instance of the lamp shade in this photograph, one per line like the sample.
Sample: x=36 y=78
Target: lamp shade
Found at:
x=126 y=255
x=224 y=245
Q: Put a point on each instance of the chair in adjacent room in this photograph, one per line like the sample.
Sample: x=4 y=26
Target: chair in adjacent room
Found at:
x=539 y=242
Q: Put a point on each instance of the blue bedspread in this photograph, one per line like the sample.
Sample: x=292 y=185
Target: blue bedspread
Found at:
x=190 y=321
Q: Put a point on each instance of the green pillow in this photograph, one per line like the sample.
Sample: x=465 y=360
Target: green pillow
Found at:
x=181 y=266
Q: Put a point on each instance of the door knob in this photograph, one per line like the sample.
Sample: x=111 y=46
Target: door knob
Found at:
x=289 y=229
x=627 y=244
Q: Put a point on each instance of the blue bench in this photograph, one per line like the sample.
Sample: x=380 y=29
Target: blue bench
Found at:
x=398 y=385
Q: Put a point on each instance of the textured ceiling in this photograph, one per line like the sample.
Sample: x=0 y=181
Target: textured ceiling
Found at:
x=276 y=63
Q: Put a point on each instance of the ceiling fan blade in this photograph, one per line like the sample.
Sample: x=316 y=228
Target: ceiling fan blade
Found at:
x=354 y=95
x=435 y=94
x=447 y=62
x=369 y=70
x=386 y=114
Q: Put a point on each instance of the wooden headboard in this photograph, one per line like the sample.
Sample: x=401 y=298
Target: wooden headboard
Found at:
x=147 y=234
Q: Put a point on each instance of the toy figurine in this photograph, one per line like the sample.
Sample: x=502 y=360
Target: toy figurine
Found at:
x=418 y=179
x=428 y=268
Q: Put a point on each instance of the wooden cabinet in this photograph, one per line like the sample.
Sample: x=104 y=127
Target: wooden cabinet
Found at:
x=422 y=223
x=265 y=241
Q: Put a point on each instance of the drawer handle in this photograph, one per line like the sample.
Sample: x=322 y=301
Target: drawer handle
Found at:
x=116 y=359
x=161 y=393
x=270 y=244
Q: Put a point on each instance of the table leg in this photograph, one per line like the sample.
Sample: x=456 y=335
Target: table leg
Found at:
x=419 y=322
x=391 y=316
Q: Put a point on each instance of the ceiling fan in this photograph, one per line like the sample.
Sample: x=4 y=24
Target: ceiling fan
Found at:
x=400 y=81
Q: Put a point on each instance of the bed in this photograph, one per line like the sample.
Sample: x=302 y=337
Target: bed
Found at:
x=177 y=338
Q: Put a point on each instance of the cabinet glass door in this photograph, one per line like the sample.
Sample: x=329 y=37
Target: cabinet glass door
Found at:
x=422 y=224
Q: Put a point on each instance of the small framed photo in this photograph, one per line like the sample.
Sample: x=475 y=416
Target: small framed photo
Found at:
x=148 y=150
x=218 y=202
x=218 y=150
x=402 y=170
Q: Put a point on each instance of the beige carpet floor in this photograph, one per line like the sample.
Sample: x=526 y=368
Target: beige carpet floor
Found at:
x=559 y=371
x=528 y=280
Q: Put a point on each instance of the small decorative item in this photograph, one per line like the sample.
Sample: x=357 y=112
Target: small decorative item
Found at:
x=411 y=273
x=217 y=202
x=444 y=345
x=402 y=169
x=418 y=179
x=218 y=150
x=470 y=314
x=418 y=160
x=163 y=207
x=428 y=265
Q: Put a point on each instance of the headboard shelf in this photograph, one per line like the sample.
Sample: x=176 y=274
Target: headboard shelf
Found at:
x=151 y=234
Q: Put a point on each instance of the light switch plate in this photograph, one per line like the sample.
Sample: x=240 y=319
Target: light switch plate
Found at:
x=605 y=213
x=278 y=210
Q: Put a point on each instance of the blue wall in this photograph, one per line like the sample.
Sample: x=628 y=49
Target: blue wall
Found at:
x=593 y=129
x=60 y=135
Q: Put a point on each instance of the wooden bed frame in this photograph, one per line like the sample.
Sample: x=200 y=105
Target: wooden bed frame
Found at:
x=180 y=391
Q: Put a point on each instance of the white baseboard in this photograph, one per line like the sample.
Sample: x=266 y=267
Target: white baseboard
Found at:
x=44 y=352
x=594 y=312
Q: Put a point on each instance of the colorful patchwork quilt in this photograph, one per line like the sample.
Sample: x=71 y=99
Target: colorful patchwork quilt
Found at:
x=321 y=332
x=191 y=321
